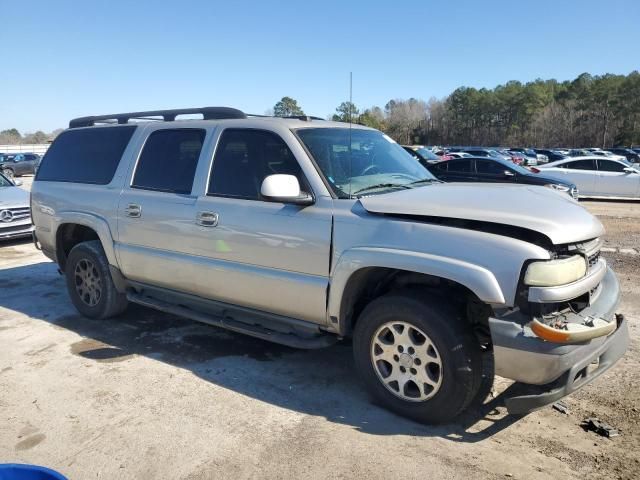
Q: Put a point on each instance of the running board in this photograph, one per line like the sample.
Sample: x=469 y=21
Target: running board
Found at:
x=317 y=340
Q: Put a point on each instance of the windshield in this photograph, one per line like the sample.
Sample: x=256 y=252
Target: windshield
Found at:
x=371 y=163
x=4 y=182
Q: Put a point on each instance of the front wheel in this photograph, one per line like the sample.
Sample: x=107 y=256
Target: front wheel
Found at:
x=7 y=172
x=417 y=358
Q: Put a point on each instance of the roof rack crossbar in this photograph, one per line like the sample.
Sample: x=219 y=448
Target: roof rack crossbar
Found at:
x=208 y=113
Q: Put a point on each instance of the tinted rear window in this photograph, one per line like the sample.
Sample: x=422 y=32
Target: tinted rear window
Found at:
x=89 y=155
x=169 y=159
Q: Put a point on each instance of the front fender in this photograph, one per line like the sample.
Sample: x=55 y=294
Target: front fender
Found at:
x=477 y=279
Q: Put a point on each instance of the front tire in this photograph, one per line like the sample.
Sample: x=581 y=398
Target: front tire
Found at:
x=417 y=358
x=89 y=282
x=7 y=172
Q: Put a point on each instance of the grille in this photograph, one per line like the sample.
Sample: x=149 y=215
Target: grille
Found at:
x=12 y=228
x=16 y=213
x=593 y=259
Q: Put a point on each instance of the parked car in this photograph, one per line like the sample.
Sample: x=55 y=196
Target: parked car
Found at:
x=485 y=152
x=596 y=176
x=605 y=153
x=303 y=231
x=532 y=157
x=424 y=155
x=492 y=170
x=629 y=154
x=552 y=155
x=15 y=212
x=17 y=164
x=452 y=155
x=579 y=152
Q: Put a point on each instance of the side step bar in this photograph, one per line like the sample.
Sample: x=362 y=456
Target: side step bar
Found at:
x=318 y=340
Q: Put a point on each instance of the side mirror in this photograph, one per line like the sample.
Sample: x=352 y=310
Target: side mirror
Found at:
x=17 y=183
x=509 y=173
x=284 y=189
x=630 y=170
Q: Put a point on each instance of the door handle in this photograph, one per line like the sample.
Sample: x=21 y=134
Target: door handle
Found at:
x=207 y=219
x=133 y=210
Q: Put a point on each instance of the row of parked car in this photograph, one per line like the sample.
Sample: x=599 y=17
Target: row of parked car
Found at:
x=578 y=172
x=18 y=164
x=522 y=156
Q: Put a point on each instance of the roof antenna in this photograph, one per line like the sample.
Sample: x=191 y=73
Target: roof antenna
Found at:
x=350 y=121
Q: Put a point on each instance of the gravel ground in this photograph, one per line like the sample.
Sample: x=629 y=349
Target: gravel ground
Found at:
x=149 y=395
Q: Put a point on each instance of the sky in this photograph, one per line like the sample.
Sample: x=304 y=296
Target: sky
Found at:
x=62 y=59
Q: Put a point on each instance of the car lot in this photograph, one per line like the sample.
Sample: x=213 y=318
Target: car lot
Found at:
x=150 y=395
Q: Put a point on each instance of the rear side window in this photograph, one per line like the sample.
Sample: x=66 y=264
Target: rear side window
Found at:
x=88 y=155
x=169 y=159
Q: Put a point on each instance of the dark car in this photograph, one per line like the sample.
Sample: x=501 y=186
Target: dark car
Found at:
x=551 y=155
x=480 y=169
x=631 y=156
x=423 y=155
x=17 y=164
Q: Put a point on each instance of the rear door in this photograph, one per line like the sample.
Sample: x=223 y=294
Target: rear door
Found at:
x=157 y=210
x=614 y=181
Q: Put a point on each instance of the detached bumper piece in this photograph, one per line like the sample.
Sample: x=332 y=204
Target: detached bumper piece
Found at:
x=566 y=332
x=583 y=372
x=553 y=359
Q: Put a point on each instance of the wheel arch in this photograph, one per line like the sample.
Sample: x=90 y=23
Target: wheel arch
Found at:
x=81 y=227
x=363 y=274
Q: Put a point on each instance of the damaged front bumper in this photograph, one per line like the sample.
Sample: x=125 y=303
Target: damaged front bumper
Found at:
x=547 y=370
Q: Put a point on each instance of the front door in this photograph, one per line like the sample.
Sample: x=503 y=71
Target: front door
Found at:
x=263 y=255
x=614 y=181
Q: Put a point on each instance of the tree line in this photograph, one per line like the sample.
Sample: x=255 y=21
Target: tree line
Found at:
x=12 y=136
x=588 y=111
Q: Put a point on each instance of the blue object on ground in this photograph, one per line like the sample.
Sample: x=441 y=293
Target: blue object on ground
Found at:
x=16 y=471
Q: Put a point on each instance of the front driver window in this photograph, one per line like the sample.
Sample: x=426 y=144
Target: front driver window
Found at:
x=244 y=158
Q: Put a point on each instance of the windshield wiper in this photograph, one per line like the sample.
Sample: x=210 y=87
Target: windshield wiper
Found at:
x=426 y=180
x=382 y=185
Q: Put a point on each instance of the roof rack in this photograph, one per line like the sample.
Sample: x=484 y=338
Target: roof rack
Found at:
x=304 y=118
x=208 y=113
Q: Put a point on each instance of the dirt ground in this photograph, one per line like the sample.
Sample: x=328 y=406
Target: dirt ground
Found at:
x=149 y=395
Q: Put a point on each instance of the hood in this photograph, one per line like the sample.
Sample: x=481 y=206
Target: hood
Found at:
x=551 y=213
x=13 y=197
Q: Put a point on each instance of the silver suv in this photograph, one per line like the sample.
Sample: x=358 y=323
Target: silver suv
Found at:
x=303 y=232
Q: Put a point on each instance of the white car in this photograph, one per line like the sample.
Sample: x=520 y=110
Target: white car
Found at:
x=15 y=212
x=597 y=176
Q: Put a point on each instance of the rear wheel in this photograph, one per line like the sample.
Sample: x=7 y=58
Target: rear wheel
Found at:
x=8 y=172
x=89 y=282
x=417 y=358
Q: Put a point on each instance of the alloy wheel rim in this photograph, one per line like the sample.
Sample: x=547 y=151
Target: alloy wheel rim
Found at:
x=8 y=173
x=88 y=282
x=406 y=361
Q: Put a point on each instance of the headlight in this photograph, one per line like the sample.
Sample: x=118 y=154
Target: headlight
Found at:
x=555 y=186
x=556 y=272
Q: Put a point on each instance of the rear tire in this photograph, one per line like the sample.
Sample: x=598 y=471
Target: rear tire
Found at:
x=89 y=282
x=393 y=332
x=8 y=172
